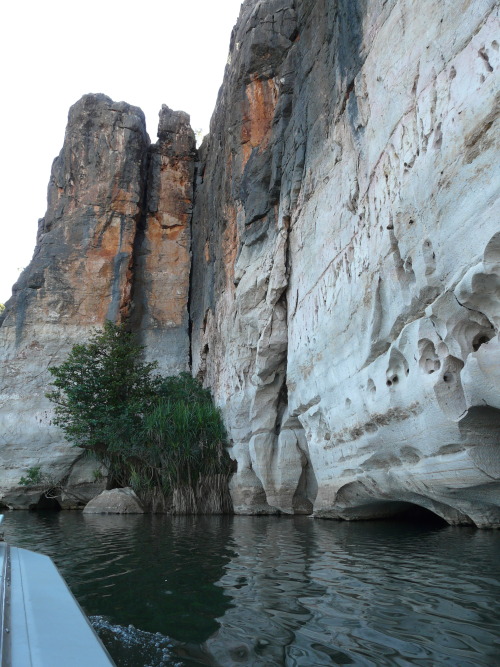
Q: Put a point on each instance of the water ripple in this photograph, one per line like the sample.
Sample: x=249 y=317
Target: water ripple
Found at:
x=135 y=647
x=265 y=591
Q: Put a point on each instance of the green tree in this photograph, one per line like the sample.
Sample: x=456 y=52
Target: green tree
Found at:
x=101 y=394
x=162 y=436
x=2 y=307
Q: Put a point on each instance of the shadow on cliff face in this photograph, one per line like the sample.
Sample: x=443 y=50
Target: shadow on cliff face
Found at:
x=417 y=515
x=47 y=502
x=350 y=14
x=349 y=54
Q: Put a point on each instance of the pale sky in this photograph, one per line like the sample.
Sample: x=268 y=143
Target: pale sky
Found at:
x=146 y=52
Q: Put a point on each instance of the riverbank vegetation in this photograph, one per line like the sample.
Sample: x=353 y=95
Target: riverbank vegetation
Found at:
x=163 y=436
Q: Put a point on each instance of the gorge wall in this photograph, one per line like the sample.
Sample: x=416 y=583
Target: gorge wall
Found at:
x=114 y=240
x=337 y=282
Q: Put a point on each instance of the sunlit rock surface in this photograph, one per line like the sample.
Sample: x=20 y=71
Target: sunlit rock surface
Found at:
x=346 y=268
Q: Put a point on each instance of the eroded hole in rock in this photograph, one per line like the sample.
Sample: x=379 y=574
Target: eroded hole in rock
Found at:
x=438 y=136
x=449 y=392
x=413 y=513
x=47 y=501
x=388 y=510
x=429 y=361
x=202 y=370
x=398 y=367
x=479 y=340
x=482 y=54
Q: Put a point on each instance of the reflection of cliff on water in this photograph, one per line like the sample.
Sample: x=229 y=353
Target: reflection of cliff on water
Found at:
x=265 y=581
x=323 y=593
x=227 y=591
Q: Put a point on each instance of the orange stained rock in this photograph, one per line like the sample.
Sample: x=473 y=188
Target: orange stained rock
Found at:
x=163 y=240
x=113 y=235
x=174 y=189
x=167 y=264
x=123 y=202
x=110 y=239
x=258 y=113
x=167 y=243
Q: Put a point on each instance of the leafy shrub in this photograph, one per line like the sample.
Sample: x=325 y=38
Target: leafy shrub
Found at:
x=34 y=476
x=102 y=391
x=162 y=436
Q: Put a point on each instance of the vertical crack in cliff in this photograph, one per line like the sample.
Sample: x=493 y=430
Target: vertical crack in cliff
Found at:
x=197 y=170
x=282 y=403
x=162 y=246
x=284 y=297
x=137 y=287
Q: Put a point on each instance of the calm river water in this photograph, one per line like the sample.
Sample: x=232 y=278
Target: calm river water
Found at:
x=276 y=591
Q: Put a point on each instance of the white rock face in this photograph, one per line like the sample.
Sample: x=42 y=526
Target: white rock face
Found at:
x=345 y=277
x=354 y=343
x=395 y=336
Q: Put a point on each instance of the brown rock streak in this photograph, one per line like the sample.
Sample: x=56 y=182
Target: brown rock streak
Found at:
x=261 y=97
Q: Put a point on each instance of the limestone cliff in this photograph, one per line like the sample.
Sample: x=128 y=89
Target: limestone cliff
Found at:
x=345 y=295
x=344 y=289
x=103 y=228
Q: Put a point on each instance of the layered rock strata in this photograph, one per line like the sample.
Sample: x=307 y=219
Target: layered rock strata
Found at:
x=96 y=237
x=345 y=294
